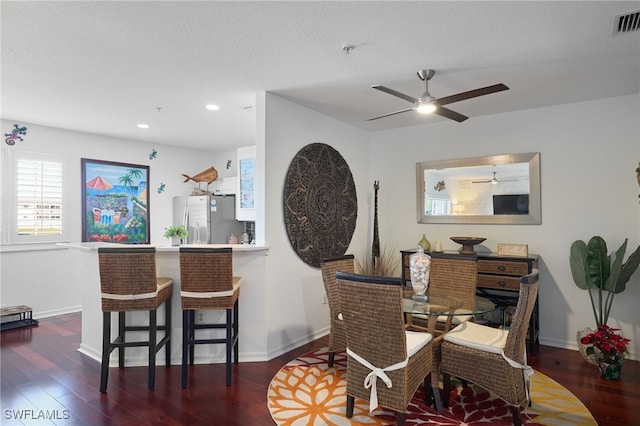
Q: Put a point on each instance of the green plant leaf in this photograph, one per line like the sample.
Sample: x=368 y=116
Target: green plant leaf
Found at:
x=616 y=265
x=598 y=262
x=628 y=269
x=579 y=265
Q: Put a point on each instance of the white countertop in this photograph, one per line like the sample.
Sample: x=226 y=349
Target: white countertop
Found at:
x=94 y=245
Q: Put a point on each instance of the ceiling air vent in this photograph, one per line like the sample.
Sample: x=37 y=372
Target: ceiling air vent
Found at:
x=626 y=23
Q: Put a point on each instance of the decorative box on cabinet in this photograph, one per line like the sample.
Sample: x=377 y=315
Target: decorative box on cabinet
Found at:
x=498 y=280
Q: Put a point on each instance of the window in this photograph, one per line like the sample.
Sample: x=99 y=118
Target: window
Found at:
x=36 y=215
x=437 y=206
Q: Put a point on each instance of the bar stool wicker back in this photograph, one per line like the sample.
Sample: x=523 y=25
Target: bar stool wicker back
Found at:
x=128 y=282
x=207 y=283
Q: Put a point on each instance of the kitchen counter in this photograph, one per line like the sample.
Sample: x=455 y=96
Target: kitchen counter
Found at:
x=94 y=245
x=248 y=263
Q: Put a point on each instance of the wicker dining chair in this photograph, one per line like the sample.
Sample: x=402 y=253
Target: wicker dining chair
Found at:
x=207 y=283
x=492 y=358
x=329 y=267
x=457 y=279
x=128 y=282
x=377 y=340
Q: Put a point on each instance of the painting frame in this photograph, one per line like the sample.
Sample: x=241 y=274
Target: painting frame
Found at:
x=115 y=202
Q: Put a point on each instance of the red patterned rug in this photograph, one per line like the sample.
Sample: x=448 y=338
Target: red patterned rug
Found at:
x=307 y=392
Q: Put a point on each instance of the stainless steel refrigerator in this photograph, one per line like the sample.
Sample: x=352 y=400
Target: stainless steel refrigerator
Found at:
x=209 y=219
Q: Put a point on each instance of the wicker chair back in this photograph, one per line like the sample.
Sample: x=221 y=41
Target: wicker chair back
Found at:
x=126 y=272
x=329 y=267
x=207 y=270
x=455 y=278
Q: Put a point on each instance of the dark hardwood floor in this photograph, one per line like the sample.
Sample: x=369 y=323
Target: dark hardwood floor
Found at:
x=43 y=375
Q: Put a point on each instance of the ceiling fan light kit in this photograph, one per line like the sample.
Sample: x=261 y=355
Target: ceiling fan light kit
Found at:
x=426 y=108
x=427 y=104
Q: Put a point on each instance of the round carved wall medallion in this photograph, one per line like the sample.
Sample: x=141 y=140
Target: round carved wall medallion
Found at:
x=320 y=203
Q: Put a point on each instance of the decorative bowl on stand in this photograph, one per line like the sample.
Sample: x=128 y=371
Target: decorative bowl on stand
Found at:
x=467 y=243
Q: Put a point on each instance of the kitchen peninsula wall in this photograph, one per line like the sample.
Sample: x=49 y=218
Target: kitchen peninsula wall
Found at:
x=50 y=289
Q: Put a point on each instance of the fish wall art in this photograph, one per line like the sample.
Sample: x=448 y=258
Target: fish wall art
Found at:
x=207 y=176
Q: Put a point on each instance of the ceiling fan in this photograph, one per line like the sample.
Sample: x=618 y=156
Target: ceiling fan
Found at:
x=494 y=180
x=428 y=104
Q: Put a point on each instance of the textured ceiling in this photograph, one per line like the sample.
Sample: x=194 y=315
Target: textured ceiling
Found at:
x=104 y=66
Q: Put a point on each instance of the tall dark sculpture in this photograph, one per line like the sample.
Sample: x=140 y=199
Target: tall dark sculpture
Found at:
x=375 y=247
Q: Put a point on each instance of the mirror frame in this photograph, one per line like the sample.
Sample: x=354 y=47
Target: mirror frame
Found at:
x=534 y=216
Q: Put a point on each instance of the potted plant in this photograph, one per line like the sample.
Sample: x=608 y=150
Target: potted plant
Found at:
x=608 y=349
x=176 y=233
x=603 y=276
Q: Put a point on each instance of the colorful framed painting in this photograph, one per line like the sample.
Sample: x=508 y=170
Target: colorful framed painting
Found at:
x=245 y=201
x=115 y=202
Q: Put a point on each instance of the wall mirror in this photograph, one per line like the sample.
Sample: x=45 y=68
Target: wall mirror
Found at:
x=500 y=189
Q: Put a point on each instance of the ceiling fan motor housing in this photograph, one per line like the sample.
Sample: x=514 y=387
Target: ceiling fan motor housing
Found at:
x=426 y=74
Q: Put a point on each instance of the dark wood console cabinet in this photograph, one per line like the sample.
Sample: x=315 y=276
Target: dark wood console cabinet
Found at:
x=498 y=280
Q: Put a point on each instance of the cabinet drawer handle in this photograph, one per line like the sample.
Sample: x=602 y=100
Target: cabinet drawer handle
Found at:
x=502 y=283
x=501 y=268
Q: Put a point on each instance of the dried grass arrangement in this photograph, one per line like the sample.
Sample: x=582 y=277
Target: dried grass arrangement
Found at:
x=387 y=265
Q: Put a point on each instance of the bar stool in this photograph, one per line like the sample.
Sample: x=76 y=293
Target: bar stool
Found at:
x=129 y=283
x=207 y=283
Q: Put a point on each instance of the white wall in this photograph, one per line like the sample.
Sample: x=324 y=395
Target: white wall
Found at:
x=45 y=280
x=589 y=152
x=294 y=289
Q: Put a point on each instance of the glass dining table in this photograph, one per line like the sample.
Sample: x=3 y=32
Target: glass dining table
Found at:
x=439 y=312
x=442 y=308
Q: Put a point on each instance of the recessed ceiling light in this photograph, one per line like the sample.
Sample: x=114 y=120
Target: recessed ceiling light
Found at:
x=143 y=126
x=212 y=107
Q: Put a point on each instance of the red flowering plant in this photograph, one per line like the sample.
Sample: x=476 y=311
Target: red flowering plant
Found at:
x=606 y=345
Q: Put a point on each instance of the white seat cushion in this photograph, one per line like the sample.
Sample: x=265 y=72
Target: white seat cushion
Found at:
x=461 y=316
x=416 y=341
x=476 y=336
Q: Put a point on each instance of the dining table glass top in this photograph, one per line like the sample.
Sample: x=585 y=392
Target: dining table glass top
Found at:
x=441 y=304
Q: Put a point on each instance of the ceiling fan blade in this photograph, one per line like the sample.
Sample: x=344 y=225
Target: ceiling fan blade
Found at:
x=481 y=181
x=472 y=94
x=446 y=112
x=391 y=113
x=395 y=93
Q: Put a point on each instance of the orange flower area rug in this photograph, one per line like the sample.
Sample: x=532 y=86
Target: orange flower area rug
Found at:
x=307 y=392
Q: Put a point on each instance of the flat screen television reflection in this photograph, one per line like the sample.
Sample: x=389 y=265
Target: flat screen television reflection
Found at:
x=511 y=204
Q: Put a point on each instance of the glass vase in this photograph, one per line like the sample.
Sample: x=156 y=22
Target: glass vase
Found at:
x=609 y=371
x=591 y=359
x=419 y=264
